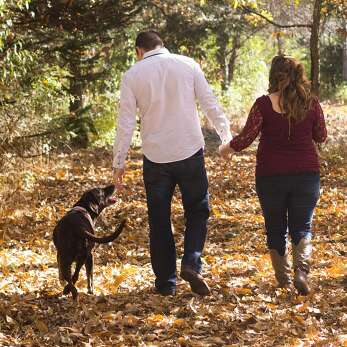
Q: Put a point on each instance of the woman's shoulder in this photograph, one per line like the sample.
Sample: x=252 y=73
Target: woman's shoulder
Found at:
x=262 y=103
x=262 y=99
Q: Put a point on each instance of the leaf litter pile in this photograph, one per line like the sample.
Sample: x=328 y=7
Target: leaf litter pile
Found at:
x=245 y=307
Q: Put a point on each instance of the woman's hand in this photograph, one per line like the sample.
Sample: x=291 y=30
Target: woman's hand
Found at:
x=225 y=151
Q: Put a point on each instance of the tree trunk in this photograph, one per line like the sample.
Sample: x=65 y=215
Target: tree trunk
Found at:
x=222 y=42
x=344 y=55
x=314 y=47
x=76 y=89
x=77 y=104
x=280 y=43
x=232 y=60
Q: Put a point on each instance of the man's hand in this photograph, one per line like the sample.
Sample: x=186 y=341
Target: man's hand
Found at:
x=225 y=151
x=118 y=178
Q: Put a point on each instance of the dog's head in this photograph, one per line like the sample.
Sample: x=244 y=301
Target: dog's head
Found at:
x=96 y=199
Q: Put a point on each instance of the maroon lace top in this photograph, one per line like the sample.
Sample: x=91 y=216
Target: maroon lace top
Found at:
x=284 y=147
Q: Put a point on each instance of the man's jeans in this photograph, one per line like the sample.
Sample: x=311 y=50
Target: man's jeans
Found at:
x=288 y=201
x=160 y=182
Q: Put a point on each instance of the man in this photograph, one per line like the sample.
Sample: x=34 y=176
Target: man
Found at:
x=164 y=87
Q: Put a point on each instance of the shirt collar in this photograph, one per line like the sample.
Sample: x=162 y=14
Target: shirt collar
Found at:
x=160 y=50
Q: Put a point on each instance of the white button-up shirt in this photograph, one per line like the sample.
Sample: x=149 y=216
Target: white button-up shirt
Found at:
x=164 y=87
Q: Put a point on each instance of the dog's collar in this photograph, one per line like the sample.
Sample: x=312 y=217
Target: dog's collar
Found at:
x=85 y=213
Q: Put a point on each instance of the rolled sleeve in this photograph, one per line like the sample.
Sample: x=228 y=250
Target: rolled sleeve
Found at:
x=210 y=106
x=126 y=123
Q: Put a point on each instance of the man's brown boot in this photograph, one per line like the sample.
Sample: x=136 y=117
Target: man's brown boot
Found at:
x=196 y=281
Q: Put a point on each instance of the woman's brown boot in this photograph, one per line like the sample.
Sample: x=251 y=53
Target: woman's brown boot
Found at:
x=281 y=267
x=301 y=262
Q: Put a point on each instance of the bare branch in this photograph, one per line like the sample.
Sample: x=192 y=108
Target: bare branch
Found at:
x=298 y=25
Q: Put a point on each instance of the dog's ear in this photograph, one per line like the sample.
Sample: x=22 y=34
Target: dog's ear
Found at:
x=83 y=201
x=91 y=201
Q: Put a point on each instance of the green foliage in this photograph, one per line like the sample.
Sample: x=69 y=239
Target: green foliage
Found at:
x=331 y=67
x=104 y=115
x=14 y=59
x=61 y=62
x=52 y=56
x=340 y=93
x=251 y=78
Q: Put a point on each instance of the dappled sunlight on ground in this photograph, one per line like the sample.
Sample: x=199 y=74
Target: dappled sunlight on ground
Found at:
x=245 y=308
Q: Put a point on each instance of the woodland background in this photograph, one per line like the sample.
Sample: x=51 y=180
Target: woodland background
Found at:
x=61 y=63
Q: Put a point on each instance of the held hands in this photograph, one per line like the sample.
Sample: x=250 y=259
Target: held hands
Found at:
x=118 y=175
x=225 y=151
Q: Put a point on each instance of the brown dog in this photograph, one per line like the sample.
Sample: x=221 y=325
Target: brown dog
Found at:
x=74 y=236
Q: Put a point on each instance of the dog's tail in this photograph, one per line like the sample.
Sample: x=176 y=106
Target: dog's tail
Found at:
x=106 y=239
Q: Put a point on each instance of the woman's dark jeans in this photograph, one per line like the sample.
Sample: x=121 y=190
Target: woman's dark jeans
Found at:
x=288 y=203
x=160 y=182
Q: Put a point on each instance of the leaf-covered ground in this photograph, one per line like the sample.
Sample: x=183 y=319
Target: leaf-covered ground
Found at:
x=245 y=308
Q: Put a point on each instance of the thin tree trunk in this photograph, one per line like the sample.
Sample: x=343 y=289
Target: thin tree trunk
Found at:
x=280 y=43
x=233 y=57
x=77 y=104
x=222 y=42
x=344 y=55
x=314 y=47
x=76 y=89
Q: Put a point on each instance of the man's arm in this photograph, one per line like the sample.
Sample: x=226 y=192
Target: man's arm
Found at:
x=210 y=106
x=125 y=129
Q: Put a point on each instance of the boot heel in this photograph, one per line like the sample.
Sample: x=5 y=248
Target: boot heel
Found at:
x=300 y=282
x=301 y=261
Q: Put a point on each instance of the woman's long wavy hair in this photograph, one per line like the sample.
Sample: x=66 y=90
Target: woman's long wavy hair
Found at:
x=287 y=77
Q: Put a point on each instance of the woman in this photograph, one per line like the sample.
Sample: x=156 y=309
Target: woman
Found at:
x=291 y=121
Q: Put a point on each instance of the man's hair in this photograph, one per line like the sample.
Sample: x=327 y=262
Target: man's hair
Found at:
x=148 y=40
